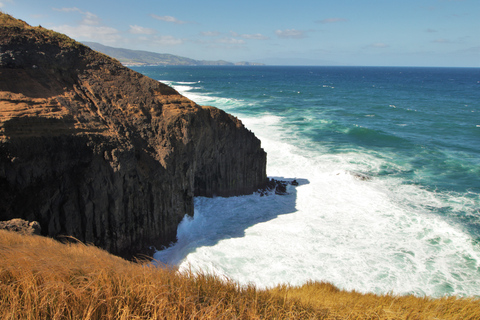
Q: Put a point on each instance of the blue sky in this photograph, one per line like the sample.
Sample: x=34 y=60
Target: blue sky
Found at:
x=302 y=32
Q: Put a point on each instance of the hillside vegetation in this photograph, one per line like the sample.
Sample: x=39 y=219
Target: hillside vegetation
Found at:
x=9 y=24
x=41 y=278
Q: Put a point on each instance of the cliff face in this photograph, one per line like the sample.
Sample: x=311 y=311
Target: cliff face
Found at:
x=93 y=150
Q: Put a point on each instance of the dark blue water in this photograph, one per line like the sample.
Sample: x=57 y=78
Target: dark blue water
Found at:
x=414 y=132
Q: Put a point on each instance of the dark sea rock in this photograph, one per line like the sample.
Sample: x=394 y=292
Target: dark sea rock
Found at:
x=276 y=186
x=93 y=150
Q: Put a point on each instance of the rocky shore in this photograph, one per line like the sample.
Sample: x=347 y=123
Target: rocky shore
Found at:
x=96 y=151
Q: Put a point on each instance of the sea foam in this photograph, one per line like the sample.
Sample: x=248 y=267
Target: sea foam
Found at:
x=346 y=223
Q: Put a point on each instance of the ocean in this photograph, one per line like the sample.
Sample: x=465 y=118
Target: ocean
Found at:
x=388 y=165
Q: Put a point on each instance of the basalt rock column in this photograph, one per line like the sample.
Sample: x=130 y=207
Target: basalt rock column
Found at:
x=96 y=151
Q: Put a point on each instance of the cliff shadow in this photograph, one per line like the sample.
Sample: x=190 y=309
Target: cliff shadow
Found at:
x=221 y=218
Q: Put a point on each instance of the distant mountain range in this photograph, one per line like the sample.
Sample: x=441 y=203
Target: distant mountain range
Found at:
x=146 y=58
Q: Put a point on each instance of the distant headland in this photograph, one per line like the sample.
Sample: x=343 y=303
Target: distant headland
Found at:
x=146 y=58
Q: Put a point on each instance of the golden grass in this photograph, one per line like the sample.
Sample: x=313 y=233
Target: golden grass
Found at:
x=43 y=279
x=354 y=305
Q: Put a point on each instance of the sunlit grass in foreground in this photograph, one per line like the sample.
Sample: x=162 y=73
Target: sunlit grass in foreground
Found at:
x=43 y=279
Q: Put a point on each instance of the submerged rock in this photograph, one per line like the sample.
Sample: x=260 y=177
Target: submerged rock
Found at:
x=94 y=150
x=276 y=186
x=360 y=176
x=281 y=189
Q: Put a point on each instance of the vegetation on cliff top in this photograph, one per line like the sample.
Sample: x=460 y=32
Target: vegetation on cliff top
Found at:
x=39 y=33
x=44 y=279
x=7 y=20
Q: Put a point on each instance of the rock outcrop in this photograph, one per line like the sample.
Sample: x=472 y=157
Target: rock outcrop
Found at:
x=93 y=150
x=21 y=226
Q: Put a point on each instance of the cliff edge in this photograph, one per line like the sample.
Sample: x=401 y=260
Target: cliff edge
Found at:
x=96 y=151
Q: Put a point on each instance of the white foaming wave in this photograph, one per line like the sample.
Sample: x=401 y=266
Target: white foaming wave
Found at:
x=185 y=89
x=379 y=235
x=351 y=233
x=372 y=235
x=186 y=82
x=286 y=158
x=227 y=104
x=171 y=82
x=167 y=82
x=258 y=125
x=182 y=87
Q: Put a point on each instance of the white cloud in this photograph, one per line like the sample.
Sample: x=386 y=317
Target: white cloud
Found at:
x=332 y=20
x=141 y=30
x=167 y=40
x=74 y=9
x=210 y=33
x=89 y=32
x=228 y=40
x=291 y=34
x=168 y=19
x=89 y=28
x=255 y=36
x=378 y=45
x=88 y=17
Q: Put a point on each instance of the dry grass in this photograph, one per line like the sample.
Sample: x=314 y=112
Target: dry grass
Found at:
x=43 y=279
x=37 y=33
x=7 y=20
x=353 y=305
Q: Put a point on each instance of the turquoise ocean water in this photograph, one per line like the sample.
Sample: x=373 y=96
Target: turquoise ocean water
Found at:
x=388 y=161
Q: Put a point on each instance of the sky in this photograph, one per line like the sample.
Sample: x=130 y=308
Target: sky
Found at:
x=443 y=33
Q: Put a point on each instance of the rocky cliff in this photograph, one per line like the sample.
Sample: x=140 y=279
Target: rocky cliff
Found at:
x=93 y=150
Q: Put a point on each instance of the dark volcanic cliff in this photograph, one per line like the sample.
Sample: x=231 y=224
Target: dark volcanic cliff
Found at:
x=93 y=150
